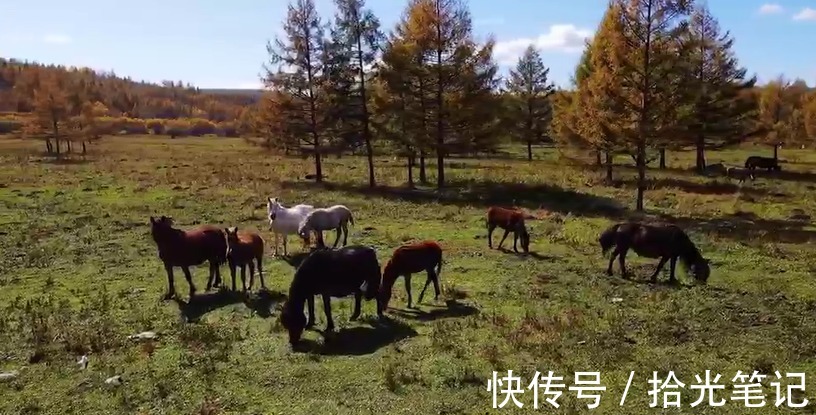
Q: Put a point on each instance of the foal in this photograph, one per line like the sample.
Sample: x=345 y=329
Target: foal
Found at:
x=511 y=221
x=321 y=219
x=179 y=248
x=244 y=247
x=330 y=273
x=408 y=259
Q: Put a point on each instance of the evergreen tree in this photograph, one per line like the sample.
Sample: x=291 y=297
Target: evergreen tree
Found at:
x=530 y=91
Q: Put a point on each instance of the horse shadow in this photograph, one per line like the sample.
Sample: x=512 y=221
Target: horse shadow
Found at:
x=452 y=309
x=531 y=254
x=359 y=340
x=202 y=304
x=263 y=302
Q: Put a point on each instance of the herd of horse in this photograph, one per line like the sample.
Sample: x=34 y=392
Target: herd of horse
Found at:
x=355 y=269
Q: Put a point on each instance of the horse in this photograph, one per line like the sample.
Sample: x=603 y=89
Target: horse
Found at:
x=180 y=248
x=667 y=242
x=330 y=273
x=321 y=219
x=740 y=174
x=244 y=248
x=510 y=220
x=408 y=259
x=769 y=163
x=285 y=221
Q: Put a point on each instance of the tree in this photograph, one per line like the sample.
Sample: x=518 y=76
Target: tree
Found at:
x=648 y=62
x=775 y=111
x=718 y=112
x=809 y=115
x=51 y=111
x=298 y=57
x=357 y=36
x=531 y=91
x=90 y=129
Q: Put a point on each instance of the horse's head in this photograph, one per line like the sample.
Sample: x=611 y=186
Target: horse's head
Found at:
x=272 y=206
x=294 y=321
x=160 y=226
x=389 y=275
x=232 y=237
x=701 y=270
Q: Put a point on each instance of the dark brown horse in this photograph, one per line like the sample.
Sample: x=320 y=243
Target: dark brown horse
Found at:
x=511 y=221
x=350 y=270
x=408 y=259
x=768 y=163
x=667 y=242
x=245 y=248
x=180 y=248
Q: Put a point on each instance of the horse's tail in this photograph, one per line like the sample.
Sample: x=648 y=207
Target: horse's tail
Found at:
x=607 y=238
x=351 y=218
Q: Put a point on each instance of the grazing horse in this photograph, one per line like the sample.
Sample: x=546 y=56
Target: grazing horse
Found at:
x=511 y=221
x=244 y=248
x=667 y=242
x=179 y=248
x=769 y=163
x=408 y=259
x=740 y=174
x=330 y=273
x=322 y=219
x=284 y=221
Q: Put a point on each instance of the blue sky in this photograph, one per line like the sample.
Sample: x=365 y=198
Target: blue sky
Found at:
x=213 y=43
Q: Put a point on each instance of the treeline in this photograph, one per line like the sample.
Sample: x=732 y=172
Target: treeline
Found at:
x=70 y=105
x=658 y=76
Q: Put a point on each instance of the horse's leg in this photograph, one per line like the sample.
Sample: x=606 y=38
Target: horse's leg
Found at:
x=217 y=268
x=622 y=260
x=171 y=286
x=408 y=289
x=275 y=234
x=659 y=267
x=339 y=232
x=490 y=228
x=232 y=266
x=506 y=232
x=345 y=233
x=251 y=275
x=358 y=299
x=260 y=273
x=189 y=280
x=285 y=243
x=310 y=303
x=427 y=282
x=612 y=261
x=243 y=276
x=672 y=264
x=327 y=310
x=320 y=242
x=515 y=241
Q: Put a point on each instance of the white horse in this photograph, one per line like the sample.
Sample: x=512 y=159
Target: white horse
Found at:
x=321 y=219
x=285 y=221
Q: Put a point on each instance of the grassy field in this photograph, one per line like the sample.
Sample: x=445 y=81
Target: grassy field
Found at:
x=79 y=273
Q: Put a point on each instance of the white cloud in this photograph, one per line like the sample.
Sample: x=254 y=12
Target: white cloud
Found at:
x=806 y=14
x=564 y=38
x=770 y=8
x=56 y=39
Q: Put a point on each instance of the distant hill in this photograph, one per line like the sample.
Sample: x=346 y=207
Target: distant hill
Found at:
x=254 y=93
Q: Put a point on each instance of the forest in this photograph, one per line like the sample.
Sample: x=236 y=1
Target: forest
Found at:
x=655 y=77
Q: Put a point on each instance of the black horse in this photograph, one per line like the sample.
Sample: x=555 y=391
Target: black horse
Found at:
x=330 y=273
x=769 y=163
x=667 y=242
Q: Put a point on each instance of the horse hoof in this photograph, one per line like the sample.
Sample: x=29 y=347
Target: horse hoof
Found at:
x=168 y=296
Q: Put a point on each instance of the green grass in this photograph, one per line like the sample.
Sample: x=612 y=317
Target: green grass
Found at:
x=79 y=273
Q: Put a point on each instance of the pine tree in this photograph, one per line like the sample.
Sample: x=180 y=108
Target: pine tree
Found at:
x=530 y=91
x=648 y=62
x=357 y=35
x=298 y=59
x=718 y=114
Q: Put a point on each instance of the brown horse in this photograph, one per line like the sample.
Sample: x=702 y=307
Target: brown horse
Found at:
x=179 y=248
x=667 y=242
x=244 y=248
x=511 y=221
x=408 y=259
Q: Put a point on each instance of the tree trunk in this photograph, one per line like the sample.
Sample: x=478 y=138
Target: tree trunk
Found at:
x=422 y=177
x=641 y=181
x=68 y=144
x=49 y=148
x=366 y=130
x=440 y=89
x=598 y=157
x=411 y=171
x=83 y=148
x=701 y=161
x=56 y=136
x=608 y=167
x=318 y=165
x=776 y=152
x=529 y=150
x=662 y=158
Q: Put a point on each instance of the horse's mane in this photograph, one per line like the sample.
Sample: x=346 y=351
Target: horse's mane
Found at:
x=689 y=253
